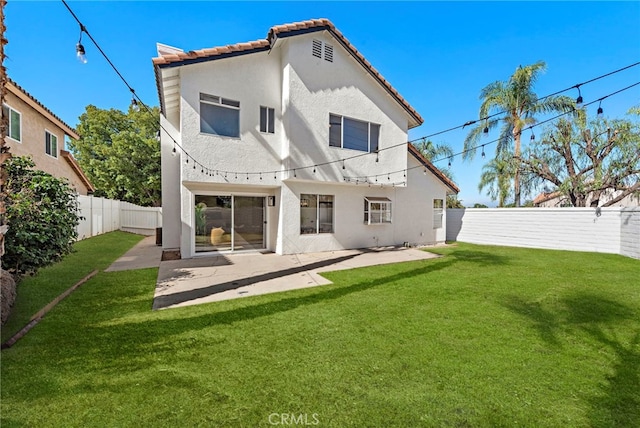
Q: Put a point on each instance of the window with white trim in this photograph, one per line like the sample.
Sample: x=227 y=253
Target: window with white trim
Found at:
x=219 y=116
x=377 y=210
x=316 y=214
x=438 y=211
x=14 y=131
x=50 y=144
x=353 y=134
x=267 y=120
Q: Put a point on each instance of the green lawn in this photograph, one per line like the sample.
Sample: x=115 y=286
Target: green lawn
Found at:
x=484 y=336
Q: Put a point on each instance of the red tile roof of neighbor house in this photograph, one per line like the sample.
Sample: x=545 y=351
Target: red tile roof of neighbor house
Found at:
x=285 y=30
x=20 y=92
x=76 y=168
x=431 y=167
x=544 y=197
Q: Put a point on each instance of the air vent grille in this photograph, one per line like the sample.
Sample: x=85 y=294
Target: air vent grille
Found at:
x=316 y=49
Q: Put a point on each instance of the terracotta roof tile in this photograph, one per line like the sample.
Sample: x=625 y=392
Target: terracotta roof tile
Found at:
x=66 y=128
x=278 y=30
x=431 y=167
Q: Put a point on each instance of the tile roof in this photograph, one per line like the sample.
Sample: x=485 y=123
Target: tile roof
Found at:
x=76 y=168
x=39 y=106
x=286 y=30
x=431 y=167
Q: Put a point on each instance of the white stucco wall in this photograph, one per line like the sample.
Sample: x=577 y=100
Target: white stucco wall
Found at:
x=303 y=90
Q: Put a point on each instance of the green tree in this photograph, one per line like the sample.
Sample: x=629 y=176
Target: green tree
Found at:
x=496 y=178
x=585 y=159
x=43 y=214
x=520 y=105
x=120 y=153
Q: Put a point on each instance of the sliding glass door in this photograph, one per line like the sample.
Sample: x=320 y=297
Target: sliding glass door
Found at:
x=229 y=223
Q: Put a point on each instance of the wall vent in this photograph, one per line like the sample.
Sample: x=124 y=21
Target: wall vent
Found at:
x=316 y=49
x=328 y=52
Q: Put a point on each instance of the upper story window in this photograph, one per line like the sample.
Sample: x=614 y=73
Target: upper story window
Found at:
x=50 y=144
x=438 y=211
x=267 y=120
x=377 y=210
x=15 y=123
x=353 y=134
x=219 y=116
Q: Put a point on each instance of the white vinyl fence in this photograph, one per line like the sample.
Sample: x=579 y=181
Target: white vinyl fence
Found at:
x=606 y=230
x=102 y=215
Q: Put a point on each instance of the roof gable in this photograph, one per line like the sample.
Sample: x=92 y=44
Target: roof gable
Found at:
x=174 y=57
x=431 y=167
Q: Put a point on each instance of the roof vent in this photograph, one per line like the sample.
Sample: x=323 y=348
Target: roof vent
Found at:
x=316 y=49
x=328 y=52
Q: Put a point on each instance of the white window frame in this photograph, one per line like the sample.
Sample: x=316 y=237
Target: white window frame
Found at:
x=51 y=134
x=438 y=213
x=19 y=140
x=271 y=120
x=318 y=229
x=369 y=126
x=384 y=213
x=219 y=101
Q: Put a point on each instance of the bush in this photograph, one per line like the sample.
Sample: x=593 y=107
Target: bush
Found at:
x=42 y=213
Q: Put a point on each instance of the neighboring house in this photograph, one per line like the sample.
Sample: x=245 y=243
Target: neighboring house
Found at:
x=556 y=199
x=292 y=144
x=35 y=131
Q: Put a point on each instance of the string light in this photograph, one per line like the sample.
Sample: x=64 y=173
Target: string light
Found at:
x=579 y=99
x=80 y=51
x=483 y=155
x=600 y=111
x=533 y=137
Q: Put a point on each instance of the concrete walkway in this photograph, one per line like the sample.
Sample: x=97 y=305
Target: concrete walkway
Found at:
x=209 y=279
x=145 y=254
x=230 y=276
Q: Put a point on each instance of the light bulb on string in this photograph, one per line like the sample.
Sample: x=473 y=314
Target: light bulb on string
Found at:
x=449 y=162
x=483 y=155
x=579 y=99
x=80 y=52
x=533 y=137
x=173 y=152
x=600 y=111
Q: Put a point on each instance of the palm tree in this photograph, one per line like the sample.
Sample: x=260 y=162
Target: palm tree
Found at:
x=433 y=151
x=496 y=177
x=519 y=103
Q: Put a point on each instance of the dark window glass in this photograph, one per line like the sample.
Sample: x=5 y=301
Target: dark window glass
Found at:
x=219 y=120
x=335 y=130
x=356 y=135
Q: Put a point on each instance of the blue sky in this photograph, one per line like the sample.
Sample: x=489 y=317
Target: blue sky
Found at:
x=438 y=55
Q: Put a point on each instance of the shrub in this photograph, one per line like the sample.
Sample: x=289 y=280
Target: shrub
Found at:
x=42 y=213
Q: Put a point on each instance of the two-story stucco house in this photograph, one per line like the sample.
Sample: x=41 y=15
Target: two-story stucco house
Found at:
x=35 y=131
x=292 y=144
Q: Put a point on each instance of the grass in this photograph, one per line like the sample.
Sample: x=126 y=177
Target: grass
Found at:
x=484 y=336
x=34 y=292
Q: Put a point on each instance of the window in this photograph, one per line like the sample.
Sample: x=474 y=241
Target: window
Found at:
x=50 y=144
x=267 y=120
x=15 y=120
x=353 y=134
x=219 y=116
x=316 y=214
x=438 y=210
x=377 y=210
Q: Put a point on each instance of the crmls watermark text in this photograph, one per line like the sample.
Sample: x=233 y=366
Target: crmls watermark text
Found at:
x=294 y=419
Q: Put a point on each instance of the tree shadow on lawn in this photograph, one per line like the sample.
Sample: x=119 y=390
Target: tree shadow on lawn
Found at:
x=598 y=317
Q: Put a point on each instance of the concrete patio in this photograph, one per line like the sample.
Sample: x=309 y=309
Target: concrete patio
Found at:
x=230 y=276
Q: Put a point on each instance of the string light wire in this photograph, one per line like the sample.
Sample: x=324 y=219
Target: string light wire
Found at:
x=423 y=138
